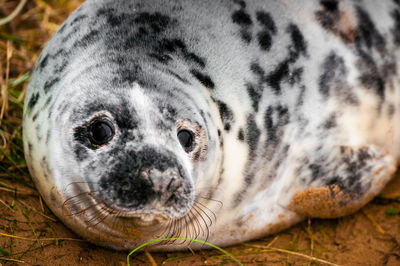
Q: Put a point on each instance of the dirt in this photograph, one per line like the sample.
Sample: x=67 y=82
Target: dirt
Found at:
x=368 y=237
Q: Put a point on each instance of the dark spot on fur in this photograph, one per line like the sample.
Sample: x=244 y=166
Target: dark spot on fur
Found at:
x=367 y=34
x=330 y=5
x=333 y=20
x=30 y=147
x=156 y=21
x=334 y=68
x=59 y=68
x=62 y=28
x=265 y=36
x=275 y=78
x=255 y=94
x=128 y=74
x=333 y=80
x=38 y=128
x=264 y=40
x=295 y=76
x=172 y=45
x=241 y=17
x=227 y=126
x=45 y=167
x=195 y=58
x=370 y=76
x=244 y=21
x=43 y=61
x=177 y=47
x=72 y=32
x=275 y=118
x=226 y=115
x=35 y=116
x=241 y=3
x=266 y=20
x=299 y=44
x=253 y=135
x=48 y=100
x=78 y=19
x=330 y=122
x=257 y=70
x=255 y=90
x=316 y=171
x=282 y=71
x=33 y=101
x=246 y=36
x=347 y=170
x=241 y=134
x=162 y=58
x=168 y=112
x=396 y=29
x=87 y=40
x=180 y=78
x=203 y=78
x=50 y=83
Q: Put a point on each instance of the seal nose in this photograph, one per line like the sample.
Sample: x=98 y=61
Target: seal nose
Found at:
x=166 y=185
x=152 y=187
x=147 y=182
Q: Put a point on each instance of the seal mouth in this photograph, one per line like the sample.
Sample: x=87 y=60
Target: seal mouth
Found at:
x=140 y=218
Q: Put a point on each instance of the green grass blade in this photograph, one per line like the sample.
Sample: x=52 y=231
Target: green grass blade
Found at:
x=184 y=239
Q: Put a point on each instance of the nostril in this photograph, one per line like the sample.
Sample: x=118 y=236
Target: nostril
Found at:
x=170 y=184
x=172 y=200
x=174 y=184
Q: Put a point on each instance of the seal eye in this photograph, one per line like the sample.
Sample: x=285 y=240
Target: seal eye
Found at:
x=186 y=139
x=101 y=132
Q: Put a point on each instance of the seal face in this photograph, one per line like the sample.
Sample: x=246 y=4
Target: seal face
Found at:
x=216 y=120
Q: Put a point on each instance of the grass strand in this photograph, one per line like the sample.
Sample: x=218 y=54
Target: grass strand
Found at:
x=183 y=239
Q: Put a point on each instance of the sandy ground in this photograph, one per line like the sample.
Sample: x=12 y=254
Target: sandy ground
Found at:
x=369 y=237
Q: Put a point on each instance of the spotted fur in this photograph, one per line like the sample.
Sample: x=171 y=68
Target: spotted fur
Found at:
x=293 y=108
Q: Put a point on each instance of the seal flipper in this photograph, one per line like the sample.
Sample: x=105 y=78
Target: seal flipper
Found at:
x=341 y=184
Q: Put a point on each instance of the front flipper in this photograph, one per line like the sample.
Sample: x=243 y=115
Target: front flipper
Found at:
x=339 y=183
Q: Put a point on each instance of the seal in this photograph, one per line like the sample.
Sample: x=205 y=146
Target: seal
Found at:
x=215 y=120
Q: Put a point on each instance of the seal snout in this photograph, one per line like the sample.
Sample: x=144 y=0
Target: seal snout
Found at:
x=152 y=183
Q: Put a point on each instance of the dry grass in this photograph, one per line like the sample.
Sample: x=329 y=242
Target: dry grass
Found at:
x=30 y=234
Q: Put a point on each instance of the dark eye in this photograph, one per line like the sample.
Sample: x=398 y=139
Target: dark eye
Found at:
x=186 y=139
x=101 y=132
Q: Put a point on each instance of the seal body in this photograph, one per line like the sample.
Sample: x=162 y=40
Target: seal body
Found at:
x=216 y=120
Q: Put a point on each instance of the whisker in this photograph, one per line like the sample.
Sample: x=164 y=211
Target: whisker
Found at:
x=211 y=199
x=79 y=195
x=186 y=227
x=82 y=211
x=204 y=221
x=77 y=183
x=200 y=208
x=99 y=213
x=215 y=216
x=195 y=228
x=101 y=220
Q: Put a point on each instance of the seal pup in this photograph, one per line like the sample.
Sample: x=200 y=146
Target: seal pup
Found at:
x=216 y=120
